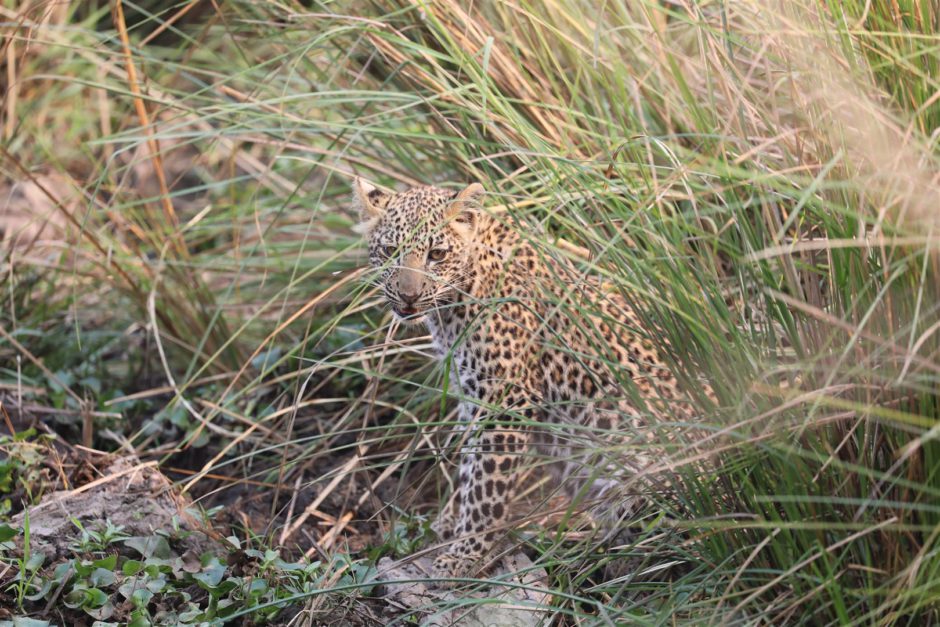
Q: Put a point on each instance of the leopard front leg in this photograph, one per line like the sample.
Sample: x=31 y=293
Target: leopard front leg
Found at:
x=443 y=527
x=488 y=471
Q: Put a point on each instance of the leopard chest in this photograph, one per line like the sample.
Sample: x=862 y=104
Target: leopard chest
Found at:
x=466 y=355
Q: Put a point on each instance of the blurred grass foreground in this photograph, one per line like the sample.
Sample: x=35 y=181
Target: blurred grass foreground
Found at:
x=180 y=283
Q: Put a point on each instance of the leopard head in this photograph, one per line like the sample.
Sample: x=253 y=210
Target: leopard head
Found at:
x=420 y=244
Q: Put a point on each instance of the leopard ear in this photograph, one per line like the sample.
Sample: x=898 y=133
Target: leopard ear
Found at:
x=369 y=201
x=463 y=208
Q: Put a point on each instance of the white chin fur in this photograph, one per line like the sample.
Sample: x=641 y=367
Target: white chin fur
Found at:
x=409 y=320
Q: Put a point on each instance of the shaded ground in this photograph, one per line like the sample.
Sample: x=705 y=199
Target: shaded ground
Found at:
x=117 y=524
x=110 y=537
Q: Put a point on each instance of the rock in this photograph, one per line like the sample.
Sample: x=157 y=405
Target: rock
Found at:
x=131 y=494
x=525 y=603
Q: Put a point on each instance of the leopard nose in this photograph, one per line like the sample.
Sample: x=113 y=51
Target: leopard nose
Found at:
x=408 y=297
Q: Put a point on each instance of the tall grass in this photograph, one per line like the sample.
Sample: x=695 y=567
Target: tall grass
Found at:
x=758 y=179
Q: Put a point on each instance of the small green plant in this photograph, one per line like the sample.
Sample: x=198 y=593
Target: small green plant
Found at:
x=92 y=541
x=93 y=601
x=142 y=573
x=25 y=581
x=407 y=534
x=21 y=468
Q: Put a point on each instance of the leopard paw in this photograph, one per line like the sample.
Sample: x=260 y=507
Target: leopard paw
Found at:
x=443 y=527
x=448 y=566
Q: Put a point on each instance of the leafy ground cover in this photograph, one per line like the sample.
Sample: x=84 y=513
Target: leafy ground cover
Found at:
x=180 y=283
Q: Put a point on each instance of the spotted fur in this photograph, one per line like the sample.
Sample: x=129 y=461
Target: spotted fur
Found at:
x=507 y=318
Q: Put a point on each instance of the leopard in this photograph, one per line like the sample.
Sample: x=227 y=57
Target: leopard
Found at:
x=531 y=340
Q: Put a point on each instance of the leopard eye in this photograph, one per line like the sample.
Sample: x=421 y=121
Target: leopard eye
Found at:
x=437 y=254
x=387 y=251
